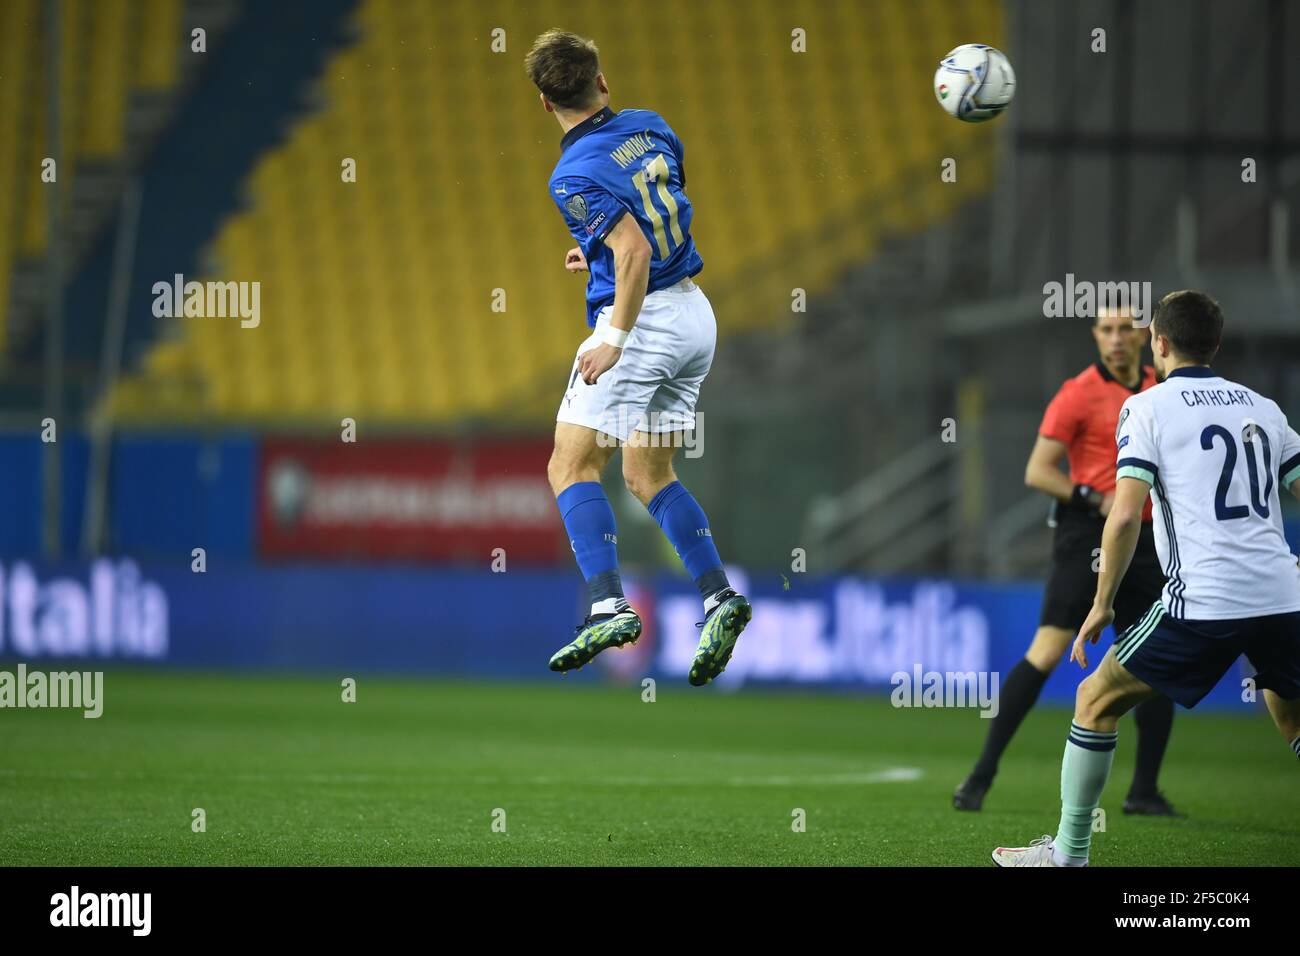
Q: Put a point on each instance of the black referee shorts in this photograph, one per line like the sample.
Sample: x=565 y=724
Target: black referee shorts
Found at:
x=1072 y=583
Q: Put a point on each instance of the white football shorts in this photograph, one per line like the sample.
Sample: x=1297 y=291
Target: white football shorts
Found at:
x=655 y=384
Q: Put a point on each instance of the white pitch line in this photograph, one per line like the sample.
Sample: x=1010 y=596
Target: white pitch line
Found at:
x=888 y=775
x=858 y=778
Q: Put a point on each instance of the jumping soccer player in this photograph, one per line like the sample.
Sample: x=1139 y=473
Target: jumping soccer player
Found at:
x=621 y=188
x=1080 y=423
x=1213 y=455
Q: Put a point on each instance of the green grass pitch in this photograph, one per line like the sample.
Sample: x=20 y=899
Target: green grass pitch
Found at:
x=413 y=772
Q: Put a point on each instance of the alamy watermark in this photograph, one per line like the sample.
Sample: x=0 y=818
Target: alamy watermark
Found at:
x=76 y=690
x=653 y=430
x=946 y=689
x=1082 y=299
x=76 y=908
x=214 y=300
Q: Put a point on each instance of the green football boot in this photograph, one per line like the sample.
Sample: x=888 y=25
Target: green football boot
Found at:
x=718 y=637
x=594 y=636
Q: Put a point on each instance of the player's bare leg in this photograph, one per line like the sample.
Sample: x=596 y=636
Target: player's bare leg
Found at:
x=579 y=455
x=1102 y=698
x=574 y=472
x=1286 y=714
x=1107 y=694
x=648 y=464
x=648 y=472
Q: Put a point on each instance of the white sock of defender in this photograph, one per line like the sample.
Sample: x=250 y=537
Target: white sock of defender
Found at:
x=1084 y=771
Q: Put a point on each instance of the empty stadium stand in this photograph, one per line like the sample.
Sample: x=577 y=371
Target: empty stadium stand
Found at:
x=378 y=296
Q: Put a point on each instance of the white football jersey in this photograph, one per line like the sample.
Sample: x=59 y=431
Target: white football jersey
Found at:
x=1217 y=456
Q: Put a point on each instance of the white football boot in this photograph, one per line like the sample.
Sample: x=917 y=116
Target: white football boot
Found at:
x=1038 y=853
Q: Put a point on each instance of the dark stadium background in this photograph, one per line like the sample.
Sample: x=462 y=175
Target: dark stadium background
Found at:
x=356 y=486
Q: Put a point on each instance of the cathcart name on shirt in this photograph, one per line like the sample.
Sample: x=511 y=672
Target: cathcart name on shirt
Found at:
x=1216 y=396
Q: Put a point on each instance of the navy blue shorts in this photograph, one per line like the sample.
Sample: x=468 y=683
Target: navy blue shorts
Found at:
x=1185 y=659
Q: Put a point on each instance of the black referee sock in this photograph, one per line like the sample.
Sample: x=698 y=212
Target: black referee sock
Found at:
x=1155 y=720
x=1019 y=692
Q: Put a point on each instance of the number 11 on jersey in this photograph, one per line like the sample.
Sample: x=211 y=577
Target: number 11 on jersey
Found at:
x=657 y=170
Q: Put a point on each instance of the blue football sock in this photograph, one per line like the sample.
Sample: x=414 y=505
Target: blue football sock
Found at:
x=590 y=522
x=687 y=528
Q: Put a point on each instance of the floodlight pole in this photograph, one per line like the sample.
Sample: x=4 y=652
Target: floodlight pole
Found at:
x=95 y=521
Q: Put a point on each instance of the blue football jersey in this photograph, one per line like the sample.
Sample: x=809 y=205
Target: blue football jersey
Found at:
x=625 y=163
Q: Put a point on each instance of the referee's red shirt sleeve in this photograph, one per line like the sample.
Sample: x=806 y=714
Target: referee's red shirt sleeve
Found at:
x=1063 y=417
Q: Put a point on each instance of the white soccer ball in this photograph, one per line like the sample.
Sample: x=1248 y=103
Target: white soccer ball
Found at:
x=974 y=82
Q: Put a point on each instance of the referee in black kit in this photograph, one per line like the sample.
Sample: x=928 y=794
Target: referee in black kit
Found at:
x=1080 y=424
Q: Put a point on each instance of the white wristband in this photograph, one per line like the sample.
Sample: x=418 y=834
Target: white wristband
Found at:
x=612 y=336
